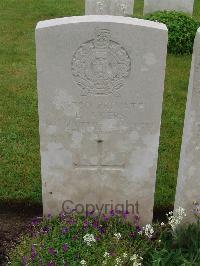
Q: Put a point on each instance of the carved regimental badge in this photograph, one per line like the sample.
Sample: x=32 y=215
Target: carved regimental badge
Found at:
x=100 y=66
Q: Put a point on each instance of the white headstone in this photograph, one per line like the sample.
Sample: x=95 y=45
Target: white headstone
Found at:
x=151 y=6
x=109 y=7
x=100 y=86
x=188 y=187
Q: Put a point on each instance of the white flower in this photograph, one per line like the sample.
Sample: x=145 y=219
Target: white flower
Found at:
x=148 y=230
x=118 y=261
x=88 y=239
x=140 y=232
x=174 y=219
x=162 y=224
x=137 y=261
x=125 y=255
x=106 y=255
x=83 y=262
x=134 y=257
x=117 y=235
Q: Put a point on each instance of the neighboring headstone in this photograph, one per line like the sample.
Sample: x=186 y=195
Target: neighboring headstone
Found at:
x=188 y=187
x=100 y=86
x=151 y=6
x=109 y=7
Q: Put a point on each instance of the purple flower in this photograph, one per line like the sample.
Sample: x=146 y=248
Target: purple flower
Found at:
x=65 y=247
x=132 y=234
x=45 y=230
x=33 y=253
x=125 y=214
x=35 y=221
x=64 y=230
x=105 y=218
x=24 y=261
x=51 y=251
x=89 y=213
x=62 y=216
x=138 y=228
x=85 y=223
x=70 y=220
x=95 y=224
x=111 y=212
x=101 y=230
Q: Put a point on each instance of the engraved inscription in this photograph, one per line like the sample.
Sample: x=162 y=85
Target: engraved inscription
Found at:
x=100 y=7
x=100 y=66
x=94 y=116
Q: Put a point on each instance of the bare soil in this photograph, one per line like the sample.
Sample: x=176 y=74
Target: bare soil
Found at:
x=13 y=221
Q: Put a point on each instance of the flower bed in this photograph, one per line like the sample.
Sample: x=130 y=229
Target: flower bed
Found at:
x=111 y=240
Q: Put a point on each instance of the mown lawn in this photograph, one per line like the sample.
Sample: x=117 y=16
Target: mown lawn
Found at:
x=20 y=170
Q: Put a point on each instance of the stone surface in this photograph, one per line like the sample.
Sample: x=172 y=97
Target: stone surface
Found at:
x=188 y=186
x=100 y=92
x=109 y=7
x=151 y=6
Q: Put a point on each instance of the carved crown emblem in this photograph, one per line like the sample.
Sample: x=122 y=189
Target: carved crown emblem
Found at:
x=100 y=66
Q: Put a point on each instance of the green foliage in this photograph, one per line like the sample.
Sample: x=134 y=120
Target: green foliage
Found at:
x=188 y=240
x=180 y=248
x=182 y=30
x=60 y=241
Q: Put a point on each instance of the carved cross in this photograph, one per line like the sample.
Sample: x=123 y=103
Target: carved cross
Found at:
x=100 y=165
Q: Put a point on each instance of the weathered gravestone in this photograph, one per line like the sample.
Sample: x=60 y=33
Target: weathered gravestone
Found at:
x=151 y=6
x=100 y=85
x=188 y=187
x=109 y=7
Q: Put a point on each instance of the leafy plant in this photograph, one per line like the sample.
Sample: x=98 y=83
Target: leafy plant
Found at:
x=182 y=30
x=111 y=240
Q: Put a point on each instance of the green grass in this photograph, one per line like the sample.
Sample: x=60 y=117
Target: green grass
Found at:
x=176 y=83
x=20 y=171
x=138 y=7
x=196 y=13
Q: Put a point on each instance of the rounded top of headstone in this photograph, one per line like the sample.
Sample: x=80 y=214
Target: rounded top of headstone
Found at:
x=100 y=18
